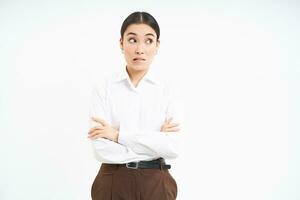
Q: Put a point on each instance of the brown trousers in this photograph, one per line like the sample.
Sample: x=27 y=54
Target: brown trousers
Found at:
x=121 y=183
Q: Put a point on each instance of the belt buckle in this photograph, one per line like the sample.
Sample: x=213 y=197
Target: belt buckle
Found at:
x=135 y=167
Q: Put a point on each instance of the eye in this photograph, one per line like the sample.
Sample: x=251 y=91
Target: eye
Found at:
x=149 y=41
x=131 y=40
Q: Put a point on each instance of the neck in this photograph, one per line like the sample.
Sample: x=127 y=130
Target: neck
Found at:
x=135 y=75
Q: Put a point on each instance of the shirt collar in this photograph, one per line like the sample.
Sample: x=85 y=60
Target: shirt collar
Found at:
x=149 y=76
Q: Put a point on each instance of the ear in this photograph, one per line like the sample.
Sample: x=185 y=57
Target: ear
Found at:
x=157 y=45
x=121 y=43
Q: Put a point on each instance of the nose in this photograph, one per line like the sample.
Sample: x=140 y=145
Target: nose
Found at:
x=139 y=49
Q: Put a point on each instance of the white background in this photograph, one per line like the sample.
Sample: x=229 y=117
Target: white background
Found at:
x=238 y=63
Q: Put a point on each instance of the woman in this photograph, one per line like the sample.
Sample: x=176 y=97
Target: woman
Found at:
x=135 y=121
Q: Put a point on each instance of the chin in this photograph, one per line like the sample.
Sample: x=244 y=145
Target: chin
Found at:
x=139 y=67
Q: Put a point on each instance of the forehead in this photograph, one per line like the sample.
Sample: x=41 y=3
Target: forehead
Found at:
x=139 y=30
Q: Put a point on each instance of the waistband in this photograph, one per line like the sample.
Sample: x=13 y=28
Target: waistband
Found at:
x=152 y=164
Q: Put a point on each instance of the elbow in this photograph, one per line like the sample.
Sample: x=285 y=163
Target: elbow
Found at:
x=99 y=149
x=172 y=153
x=99 y=156
x=173 y=147
x=171 y=156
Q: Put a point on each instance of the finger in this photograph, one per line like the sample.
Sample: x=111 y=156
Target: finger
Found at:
x=95 y=128
x=101 y=121
x=173 y=129
x=96 y=132
x=97 y=136
x=170 y=129
x=92 y=130
x=169 y=126
x=172 y=125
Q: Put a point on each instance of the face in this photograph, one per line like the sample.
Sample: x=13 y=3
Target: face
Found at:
x=139 y=46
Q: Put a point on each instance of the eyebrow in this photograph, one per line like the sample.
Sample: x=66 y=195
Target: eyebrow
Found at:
x=148 y=34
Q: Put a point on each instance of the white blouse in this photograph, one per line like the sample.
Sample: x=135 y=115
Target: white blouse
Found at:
x=138 y=113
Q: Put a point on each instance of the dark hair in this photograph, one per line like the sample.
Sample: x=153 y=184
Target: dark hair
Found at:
x=140 y=18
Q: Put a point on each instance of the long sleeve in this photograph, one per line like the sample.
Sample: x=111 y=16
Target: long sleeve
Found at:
x=104 y=150
x=156 y=143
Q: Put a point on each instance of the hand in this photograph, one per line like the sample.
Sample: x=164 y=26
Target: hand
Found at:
x=169 y=127
x=103 y=130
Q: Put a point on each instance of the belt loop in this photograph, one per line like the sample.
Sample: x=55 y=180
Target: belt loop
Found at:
x=160 y=165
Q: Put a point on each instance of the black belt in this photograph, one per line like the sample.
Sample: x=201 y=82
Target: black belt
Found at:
x=153 y=164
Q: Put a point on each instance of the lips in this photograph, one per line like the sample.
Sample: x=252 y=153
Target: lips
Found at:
x=139 y=59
